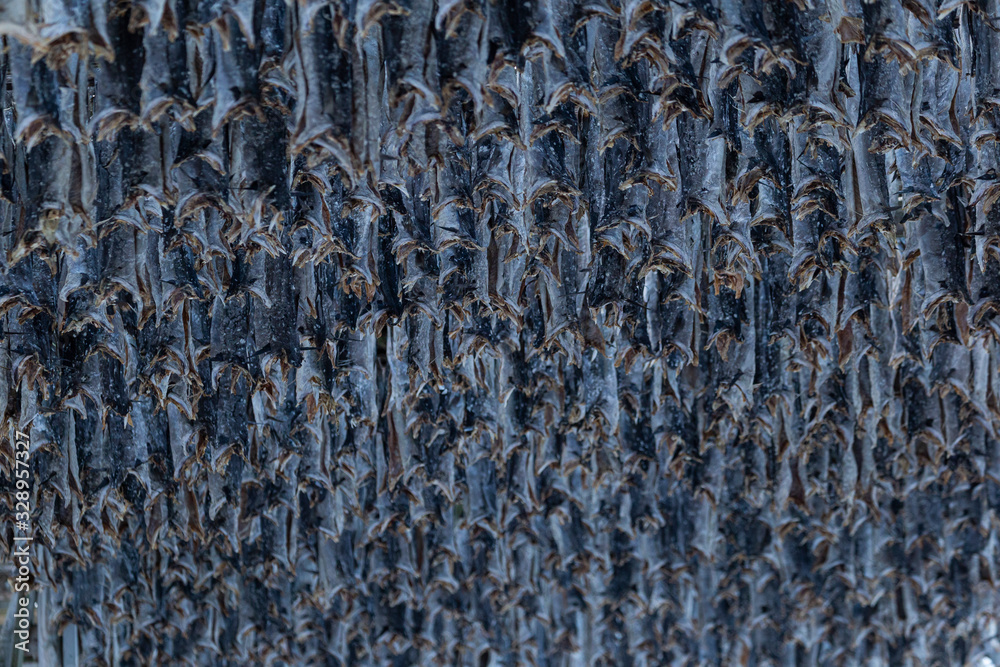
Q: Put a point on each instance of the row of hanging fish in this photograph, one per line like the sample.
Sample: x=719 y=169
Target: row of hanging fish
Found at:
x=481 y=333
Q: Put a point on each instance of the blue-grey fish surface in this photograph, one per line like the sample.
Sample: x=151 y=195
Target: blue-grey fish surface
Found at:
x=492 y=333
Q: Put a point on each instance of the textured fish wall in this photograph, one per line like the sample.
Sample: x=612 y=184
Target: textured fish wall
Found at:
x=495 y=333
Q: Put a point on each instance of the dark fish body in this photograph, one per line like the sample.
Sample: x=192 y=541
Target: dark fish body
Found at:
x=481 y=333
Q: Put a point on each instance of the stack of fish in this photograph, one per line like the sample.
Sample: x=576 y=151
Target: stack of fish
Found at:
x=475 y=332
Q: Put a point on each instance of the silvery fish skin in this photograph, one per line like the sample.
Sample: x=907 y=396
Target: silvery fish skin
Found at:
x=489 y=333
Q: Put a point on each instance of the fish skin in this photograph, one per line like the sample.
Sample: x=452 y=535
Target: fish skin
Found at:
x=482 y=333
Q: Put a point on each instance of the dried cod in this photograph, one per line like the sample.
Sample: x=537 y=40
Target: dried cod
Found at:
x=484 y=333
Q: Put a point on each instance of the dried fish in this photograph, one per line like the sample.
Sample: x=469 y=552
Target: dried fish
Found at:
x=492 y=333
